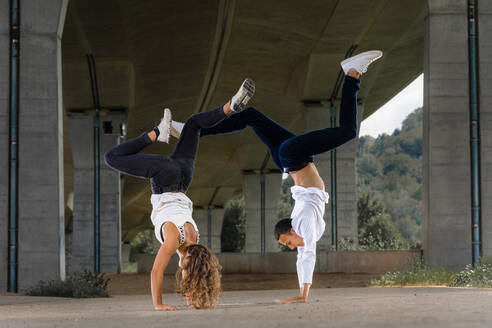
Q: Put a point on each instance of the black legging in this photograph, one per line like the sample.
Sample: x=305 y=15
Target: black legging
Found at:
x=173 y=173
x=293 y=152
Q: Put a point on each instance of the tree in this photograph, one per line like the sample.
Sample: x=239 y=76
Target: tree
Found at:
x=409 y=229
x=390 y=166
x=376 y=230
x=141 y=244
x=233 y=234
x=369 y=206
x=286 y=202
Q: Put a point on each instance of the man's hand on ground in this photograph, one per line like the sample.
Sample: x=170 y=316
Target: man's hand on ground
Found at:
x=295 y=299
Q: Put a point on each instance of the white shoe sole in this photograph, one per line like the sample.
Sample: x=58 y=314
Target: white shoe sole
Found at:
x=244 y=94
x=176 y=128
x=366 y=58
x=165 y=126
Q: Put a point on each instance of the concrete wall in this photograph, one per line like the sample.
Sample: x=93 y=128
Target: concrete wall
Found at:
x=201 y=218
x=252 y=196
x=41 y=194
x=347 y=224
x=285 y=262
x=4 y=140
x=446 y=193
x=217 y=220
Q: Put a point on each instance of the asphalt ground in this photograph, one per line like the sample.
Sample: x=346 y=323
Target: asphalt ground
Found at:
x=327 y=307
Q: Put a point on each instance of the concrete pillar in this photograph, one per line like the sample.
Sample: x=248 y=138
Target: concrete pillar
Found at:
x=485 y=69
x=4 y=137
x=41 y=241
x=446 y=194
x=347 y=219
x=217 y=220
x=252 y=196
x=81 y=132
x=125 y=256
x=201 y=218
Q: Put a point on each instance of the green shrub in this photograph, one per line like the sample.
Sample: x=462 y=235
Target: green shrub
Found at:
x=479 y=276
x=416 y=272
x=81 y=284
x=376 y=230
x=142 y=244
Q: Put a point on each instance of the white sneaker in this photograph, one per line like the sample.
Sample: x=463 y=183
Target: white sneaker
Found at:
x=361 y=61
x=165 y=126
x=176 y=128
x=243 y=95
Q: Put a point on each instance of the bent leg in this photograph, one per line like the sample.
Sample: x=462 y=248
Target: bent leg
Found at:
x=301 y=148
x=270 y=132
x=125 y=158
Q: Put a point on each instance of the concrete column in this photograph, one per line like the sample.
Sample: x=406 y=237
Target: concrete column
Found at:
x=446 y=192
x=347 y=219
x=485 y=69
x=81 y=132
x=217 y=220
x=125 y=256
x=41 y=252
x=252 y=195
x=347 y=223
x=201 y=218
x=4 y=137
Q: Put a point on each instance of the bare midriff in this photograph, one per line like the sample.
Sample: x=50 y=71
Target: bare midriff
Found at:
x=307 y=177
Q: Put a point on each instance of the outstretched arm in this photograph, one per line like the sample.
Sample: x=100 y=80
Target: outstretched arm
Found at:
x=306 y=260
x=305 y=268
x=161 y=261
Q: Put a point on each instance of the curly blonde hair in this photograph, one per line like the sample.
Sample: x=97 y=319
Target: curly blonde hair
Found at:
x=201 y=282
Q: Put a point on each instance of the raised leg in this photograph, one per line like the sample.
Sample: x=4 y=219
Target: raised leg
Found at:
x=125 y=158
x=270 y=132
x=302 y=148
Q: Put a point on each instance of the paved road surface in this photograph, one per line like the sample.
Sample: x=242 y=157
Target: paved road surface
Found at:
x=327 y=307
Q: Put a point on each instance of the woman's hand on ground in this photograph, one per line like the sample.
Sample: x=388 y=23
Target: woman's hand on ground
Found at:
x=295 y=299
x=165 y=307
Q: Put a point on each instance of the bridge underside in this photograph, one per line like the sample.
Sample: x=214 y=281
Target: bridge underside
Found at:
x=191 y=56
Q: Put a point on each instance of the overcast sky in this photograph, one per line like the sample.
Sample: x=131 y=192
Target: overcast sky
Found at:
x=391 y=115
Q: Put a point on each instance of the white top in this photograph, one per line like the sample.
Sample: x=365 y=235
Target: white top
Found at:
x=308 y=223
x=173 y=207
